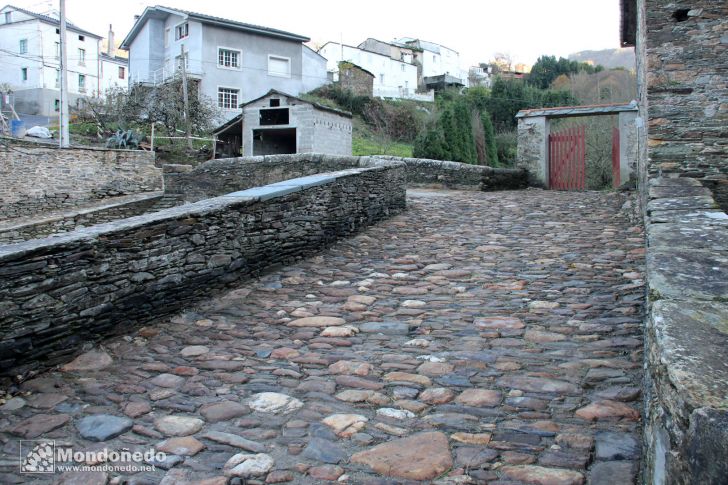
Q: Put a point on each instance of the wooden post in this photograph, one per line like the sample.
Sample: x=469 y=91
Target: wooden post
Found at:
x=185 y=95
x=152 y=144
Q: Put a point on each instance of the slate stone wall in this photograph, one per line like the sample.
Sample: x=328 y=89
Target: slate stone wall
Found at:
x=41 y=179
x=217 y=177
x=71 y=221
x=686 y=81
x=59 y=293
x=686 y=335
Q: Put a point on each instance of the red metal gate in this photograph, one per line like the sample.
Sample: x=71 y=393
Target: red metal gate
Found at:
x=567 y=159
x=615 y=158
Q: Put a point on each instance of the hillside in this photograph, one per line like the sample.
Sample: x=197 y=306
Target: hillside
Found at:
x=609 y=58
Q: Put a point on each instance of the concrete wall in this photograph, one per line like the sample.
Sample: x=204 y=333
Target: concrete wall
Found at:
x=317 y=130
x=37 y=180
x=151 y=266
x=533 y=151
x=686 y=49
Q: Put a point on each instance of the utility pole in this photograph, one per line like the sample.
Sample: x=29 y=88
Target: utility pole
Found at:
x=63 y=112
x=185 y=95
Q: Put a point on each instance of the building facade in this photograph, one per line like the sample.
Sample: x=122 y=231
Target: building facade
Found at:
x=393 y=78
x=30 y=59
x=279 y=123
x=233 y=61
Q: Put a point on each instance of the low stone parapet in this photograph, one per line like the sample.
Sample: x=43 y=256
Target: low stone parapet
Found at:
x=686 y=429
x=60 y=293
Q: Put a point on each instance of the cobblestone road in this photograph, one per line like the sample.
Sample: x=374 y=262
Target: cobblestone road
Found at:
x=477 y=338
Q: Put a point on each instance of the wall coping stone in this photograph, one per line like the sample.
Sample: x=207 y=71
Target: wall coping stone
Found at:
x=242 y=198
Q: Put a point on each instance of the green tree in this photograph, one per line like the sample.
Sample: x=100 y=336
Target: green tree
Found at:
x=430 y=144
x=491 y=150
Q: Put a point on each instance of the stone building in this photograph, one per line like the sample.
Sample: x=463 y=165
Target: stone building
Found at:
x=682 y=60
x=279 y=123
x=356 y=79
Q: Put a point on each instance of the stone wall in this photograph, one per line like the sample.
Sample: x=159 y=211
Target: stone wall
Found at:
x=355 y=79
x=41 y=179
x=59 y=293
x=110 y=209
x=686 y=392
x=686 y=48
x=217 y=177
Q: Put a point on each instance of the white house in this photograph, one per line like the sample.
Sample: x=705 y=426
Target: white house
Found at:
x=437 y=61
x=113 y=68
x=392 y=78
x=30 y=60
x=234 y=62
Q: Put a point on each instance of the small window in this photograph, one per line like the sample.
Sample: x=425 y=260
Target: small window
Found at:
x=57 y=105
x=434 y=59
x=166 y=37
x=381 y=79
x=24 y=74
x=122 y=72
x=227 y=98
x=23 y=48
x=81 y=38
x=58 y=50
x=279 y=66
x=81 y=83
x=8 y=17
x=274 y=103
x=228 y=58
x=181 y=31
x=402 y=66
x=58 y=31
x=82 y=57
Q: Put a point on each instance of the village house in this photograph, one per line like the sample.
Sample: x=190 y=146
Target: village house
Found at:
x=234 y=62
x=280 y=123
x=30 y=54
x=356 y=79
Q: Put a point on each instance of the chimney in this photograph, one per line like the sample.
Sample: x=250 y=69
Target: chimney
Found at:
x=111 y=47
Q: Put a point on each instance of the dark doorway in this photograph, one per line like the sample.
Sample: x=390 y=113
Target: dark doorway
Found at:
x=274 y=141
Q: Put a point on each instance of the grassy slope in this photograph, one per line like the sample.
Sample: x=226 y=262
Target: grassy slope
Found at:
x=364 y=142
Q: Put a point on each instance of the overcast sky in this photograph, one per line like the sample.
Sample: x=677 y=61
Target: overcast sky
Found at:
x=523 y=28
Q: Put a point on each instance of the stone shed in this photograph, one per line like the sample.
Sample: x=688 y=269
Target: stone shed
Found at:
x=279 y=123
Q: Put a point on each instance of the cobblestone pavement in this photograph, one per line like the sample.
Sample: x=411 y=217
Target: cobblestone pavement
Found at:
x=477 y=338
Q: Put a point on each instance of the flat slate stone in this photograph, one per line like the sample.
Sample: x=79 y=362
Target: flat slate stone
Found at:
x=387 y=328
x=102 y=427
x=422 y=456
x=325 y=451
x=690 y=340
x=697 y=234
x=688 y=273
x=616 y=446
x=681 y=203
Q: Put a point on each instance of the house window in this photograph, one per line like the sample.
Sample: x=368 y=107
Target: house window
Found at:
x=228 y=58
x=122 y=72
x=23 y=49
x=57 y=105
x=279 y=66
x=275 y=102
x=166 y=37
x=227 y=98
x=82 y=57
x=58 y=50
x=81 y=38
x=58 y=31
x=402 y=66
x=381 y=79
x=8 y=17
x=181 y=31
x=24 y=74
x=81 y=83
